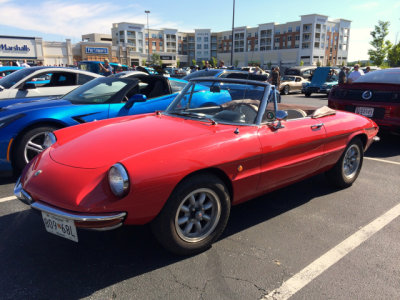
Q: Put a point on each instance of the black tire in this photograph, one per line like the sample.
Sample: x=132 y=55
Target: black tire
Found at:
x=285 y=90
x=308 y=94
x=22 y=153
x=345 y=172
x=168 y=226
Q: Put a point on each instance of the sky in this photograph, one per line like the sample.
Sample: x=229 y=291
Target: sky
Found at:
x=57 y=20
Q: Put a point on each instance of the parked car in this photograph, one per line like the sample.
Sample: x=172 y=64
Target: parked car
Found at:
x=182 y=169
x=324 y=78
x=37 y=82
x=253 y=69
x=375 y=95
x=225 y=73
x=291 y=83
x=4 y=71
x=147 y=70
x=304 y=71
x=23 y=126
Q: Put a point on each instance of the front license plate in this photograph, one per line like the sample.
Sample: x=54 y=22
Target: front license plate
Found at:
x=365 y=111
x=60 y=226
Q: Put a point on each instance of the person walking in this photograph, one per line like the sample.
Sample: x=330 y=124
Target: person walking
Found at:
x=357 y=73
x=25 y=64
x=275 y=77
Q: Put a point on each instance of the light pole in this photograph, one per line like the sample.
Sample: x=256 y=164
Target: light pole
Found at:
x=148 y=37
x=233 y=25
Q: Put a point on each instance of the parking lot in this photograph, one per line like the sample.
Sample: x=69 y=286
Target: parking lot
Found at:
x=306 y=241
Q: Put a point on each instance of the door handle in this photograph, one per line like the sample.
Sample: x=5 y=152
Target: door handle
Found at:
x=317 y=126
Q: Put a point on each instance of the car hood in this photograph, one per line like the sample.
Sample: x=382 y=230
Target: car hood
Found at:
x=320 y=75
x=103 y=143
x=20 y=107
x=7 y=102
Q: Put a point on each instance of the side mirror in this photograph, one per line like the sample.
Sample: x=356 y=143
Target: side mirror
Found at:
x=280 y=115
x=28 y=86
x=135 y=98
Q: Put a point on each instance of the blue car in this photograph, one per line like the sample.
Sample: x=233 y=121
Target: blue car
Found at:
x=24 y=126
x=4 y=71
x=323 y=79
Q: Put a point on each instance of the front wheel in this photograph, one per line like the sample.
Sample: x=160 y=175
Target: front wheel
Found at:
x=308 y=94
x=286 y=90
x=194 y=216
x=29 y=145
x=345 y=172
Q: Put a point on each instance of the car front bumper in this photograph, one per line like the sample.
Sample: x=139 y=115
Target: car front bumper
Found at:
x=101 y=222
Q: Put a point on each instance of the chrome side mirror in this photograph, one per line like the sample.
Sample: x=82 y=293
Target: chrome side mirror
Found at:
x=280 y=115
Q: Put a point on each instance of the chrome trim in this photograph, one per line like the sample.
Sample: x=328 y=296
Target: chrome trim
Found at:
x=21 y=194
x=76 y=216
x=376 y=138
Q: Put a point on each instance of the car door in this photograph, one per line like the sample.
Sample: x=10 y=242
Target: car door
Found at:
x=47 y=84
x=291 y=152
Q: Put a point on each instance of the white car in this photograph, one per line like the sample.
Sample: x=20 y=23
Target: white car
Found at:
x=37 y=82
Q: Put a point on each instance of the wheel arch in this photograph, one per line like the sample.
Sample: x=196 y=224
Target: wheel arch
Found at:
x=362 y=136
x=31 y=126
x=213 y=171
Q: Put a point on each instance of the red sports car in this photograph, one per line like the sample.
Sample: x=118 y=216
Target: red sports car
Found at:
x=375 y=95
x=182 y=169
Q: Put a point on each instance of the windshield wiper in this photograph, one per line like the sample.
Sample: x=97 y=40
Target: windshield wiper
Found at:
x=194 y=115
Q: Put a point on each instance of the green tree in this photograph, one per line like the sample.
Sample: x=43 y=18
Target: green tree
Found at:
x=381 y=46
x=394 y=56
x=156 y=59
x=301 y=63
x=178 y=62
x=214 y=61
x=203 y=63
x=193 y=62
x=143 y=62
x=236 y=62
x=318 y=63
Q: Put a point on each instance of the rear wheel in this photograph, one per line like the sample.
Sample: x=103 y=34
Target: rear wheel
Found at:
x=30 y=145
x=308 y=94
x=194 y=216
x=346 y=170
x=286 y=90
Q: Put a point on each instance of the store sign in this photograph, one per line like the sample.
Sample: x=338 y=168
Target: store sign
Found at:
x=17 y=47
x=96 y=50
x=164 y=57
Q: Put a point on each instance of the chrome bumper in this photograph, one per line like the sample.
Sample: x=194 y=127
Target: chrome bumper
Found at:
x=103 y=221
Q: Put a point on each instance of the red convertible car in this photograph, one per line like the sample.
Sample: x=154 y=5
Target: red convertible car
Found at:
x=181 y=170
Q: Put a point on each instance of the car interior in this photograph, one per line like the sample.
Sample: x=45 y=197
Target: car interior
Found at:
x=151 y=86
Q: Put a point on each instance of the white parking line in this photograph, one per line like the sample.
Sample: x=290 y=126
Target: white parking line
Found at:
x=317 y=267
x=383 y=160
x=8 y=198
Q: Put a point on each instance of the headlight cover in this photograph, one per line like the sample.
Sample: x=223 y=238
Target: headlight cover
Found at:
x=118 y=180
x=49 y=140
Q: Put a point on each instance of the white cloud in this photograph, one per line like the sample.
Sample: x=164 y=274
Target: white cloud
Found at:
x=74 y=18
x=366 y=6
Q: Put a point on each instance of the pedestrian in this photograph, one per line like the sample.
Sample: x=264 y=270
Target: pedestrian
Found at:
x=1 y=64
x=342 y=75
x=367 y=70
x=106 y=70
x=357 y=73
x=222 y=65
x=206 y=66
x=275 y=77
x=25 y=64
x=257 y=70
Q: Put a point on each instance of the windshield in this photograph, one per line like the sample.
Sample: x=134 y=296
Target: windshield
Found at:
x=13 y=78
x=201 y=74
x=230 y=102
x=391 y=76
x=99 y=90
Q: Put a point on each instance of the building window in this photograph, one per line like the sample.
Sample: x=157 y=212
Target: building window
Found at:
x=153 y=44
x=289 y=29
x=277 y=32
x=289 y=38
x=199 y=39
x=153 y=36
x=199 y=46
x=297 y=28
x=206 y=39
x=161 y=43
x=205 y=46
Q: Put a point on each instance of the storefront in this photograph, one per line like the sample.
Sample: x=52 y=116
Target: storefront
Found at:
x=16 y=49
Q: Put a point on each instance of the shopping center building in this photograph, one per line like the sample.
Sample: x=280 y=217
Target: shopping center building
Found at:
x=314 y=39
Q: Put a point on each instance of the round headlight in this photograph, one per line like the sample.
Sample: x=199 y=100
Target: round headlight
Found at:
x=118 y=180
x=49 y=139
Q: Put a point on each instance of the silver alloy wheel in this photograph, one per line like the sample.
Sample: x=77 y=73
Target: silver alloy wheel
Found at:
x=35 y=145
x=198 y=215
x=351 y=161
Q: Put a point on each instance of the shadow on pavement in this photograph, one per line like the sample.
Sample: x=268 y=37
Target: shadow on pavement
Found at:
x=387 y=147
x=38 y=265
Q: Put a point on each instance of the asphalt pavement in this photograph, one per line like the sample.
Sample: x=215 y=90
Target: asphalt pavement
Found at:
x=306 y=241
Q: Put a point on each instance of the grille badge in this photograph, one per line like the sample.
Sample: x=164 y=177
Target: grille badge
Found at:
x=367 y=95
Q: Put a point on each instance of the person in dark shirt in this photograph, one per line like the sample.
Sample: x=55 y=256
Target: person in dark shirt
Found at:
x=275 y=78
x=342 y=76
